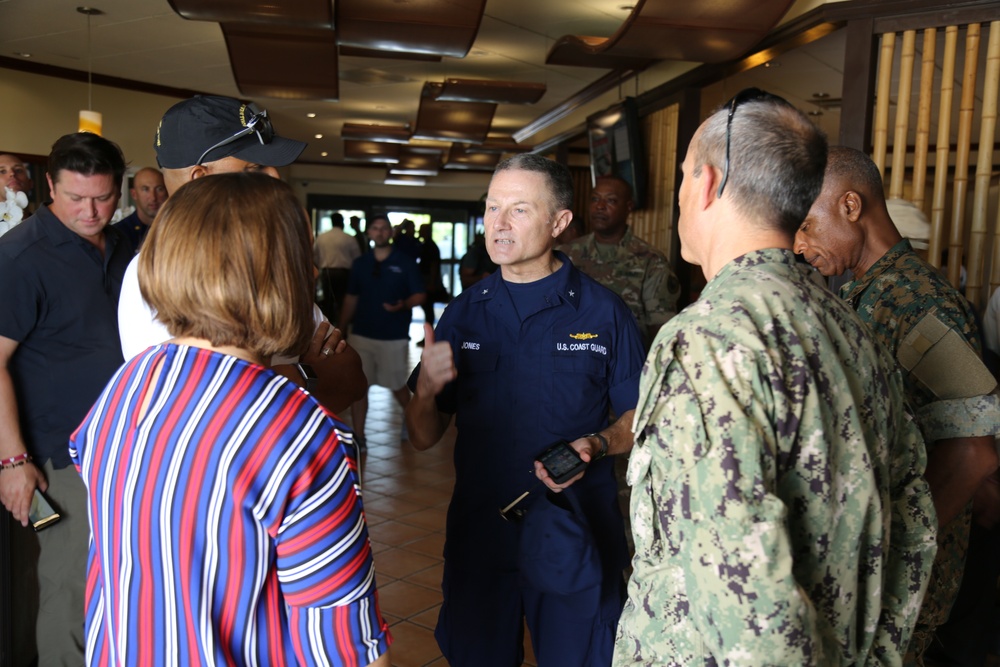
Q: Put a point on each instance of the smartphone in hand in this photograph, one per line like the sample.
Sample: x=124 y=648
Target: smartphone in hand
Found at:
x=562 y=462
x=41 y=514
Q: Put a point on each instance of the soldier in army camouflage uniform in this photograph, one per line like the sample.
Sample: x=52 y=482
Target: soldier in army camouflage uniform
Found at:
x=778 y=503
x=625 y=264
x=909 y=306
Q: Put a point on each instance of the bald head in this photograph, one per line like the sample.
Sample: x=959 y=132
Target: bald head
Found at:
x=148 y=192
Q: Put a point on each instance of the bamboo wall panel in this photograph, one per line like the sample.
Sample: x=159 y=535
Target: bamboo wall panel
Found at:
x=655 y=223
x=959 y=203
x=881 y=124
x=902 y=114
x=924 y=104
x=984 y=171
x=961 y=179
x=941 y=158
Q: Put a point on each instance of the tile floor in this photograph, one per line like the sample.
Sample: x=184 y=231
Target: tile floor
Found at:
x=406 y=496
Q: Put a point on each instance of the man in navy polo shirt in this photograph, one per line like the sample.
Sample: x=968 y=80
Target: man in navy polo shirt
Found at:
x=532 y=354
x=60 y=276
x=385 y=285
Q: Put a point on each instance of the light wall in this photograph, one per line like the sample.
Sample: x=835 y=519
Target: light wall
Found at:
x=37 y=110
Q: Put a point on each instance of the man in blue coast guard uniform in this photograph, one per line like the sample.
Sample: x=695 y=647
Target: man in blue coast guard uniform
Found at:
x=533 y=354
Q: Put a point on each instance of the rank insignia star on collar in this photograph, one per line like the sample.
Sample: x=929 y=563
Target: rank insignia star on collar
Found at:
x=572 y=293
x=485 y=291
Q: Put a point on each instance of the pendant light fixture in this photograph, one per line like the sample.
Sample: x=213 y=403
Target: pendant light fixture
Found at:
x=90 y=120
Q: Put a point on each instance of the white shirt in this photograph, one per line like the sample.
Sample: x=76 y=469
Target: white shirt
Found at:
x=139 y=328
x=335 y=249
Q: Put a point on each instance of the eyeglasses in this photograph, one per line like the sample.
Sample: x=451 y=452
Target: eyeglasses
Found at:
x=258 y=123
x=745 y=95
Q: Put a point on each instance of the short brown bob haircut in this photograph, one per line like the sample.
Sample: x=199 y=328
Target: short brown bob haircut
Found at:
x=229 y=259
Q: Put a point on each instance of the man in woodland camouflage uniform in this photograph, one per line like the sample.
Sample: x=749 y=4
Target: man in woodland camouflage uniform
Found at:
x=931 y=330
x=622 y=262
x=778 y=504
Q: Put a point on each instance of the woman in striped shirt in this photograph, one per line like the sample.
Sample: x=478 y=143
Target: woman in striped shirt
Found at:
x=225 y=508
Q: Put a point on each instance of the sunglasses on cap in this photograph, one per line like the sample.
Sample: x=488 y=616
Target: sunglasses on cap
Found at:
x=745 y=95
x=258 y=124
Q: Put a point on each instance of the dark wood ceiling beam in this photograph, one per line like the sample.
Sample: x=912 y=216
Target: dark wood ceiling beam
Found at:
x=315 y=14
x=467 y=122
x=704 y=31
x=287 y=63
x=438 y=27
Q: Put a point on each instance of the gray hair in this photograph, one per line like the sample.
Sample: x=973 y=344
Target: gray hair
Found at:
x=557 y=176
x=776 y=160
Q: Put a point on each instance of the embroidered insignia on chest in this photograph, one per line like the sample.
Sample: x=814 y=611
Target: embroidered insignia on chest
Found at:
x=583 y=336
x=572 y=293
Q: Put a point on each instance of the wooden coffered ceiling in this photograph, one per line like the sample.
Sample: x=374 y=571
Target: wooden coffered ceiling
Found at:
x=291 y=51
x=351 y=76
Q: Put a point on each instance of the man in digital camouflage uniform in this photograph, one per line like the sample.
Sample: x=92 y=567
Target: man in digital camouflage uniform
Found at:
x=778 y=504
x=628 y=266
x=930 y=329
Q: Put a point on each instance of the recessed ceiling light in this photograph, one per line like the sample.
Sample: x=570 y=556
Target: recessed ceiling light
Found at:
x=22 y=54
x=324 y=154
x=815 y=112
x=771 y=63
x=821 y=96
x=319 y=136
x=310 y=115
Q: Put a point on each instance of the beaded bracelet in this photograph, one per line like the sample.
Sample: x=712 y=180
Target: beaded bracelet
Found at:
x=15 y=461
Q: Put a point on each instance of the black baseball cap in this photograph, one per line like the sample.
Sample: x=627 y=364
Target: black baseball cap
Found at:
x=205 y=123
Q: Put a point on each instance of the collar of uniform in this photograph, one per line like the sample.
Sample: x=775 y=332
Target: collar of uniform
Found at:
x=750 y=259
x=565 y=287
x=851 y=290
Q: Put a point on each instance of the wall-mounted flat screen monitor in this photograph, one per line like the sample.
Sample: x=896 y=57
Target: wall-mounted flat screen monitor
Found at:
x=616 y=147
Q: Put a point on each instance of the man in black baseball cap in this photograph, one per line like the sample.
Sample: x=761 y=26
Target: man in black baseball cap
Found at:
x=209 y=135
x=215 y=135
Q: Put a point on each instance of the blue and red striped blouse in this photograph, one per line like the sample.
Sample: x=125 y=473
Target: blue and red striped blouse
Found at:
x=226 y=518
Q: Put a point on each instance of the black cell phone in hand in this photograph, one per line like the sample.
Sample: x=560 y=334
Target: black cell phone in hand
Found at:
x=41 y=514
x=562 y=462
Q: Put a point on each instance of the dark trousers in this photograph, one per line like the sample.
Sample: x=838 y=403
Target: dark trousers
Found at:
x=333 y=284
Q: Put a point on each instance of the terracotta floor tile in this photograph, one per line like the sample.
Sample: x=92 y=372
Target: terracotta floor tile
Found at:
x=398 y=563
x=413 y=645
x=431 y=545
x=378 y=546
x=431 y=577
x=432 y=518
x=393 y=507
x=384 y=486
x=425 y=495
x=395 y=534
x=374 y=518
x=427 y=619
x=403 y=599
